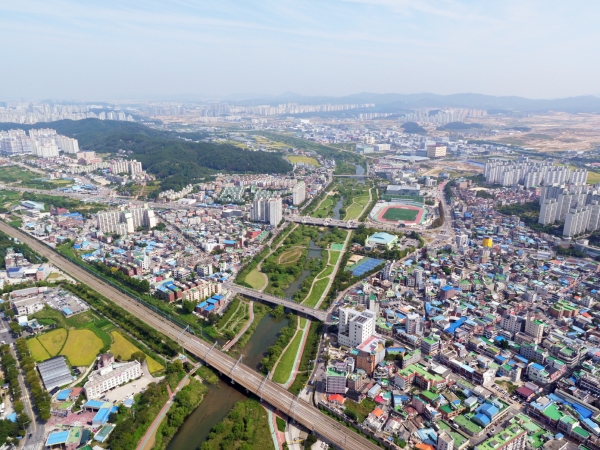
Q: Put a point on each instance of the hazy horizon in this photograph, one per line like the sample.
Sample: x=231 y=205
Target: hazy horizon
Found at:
x=148 y=50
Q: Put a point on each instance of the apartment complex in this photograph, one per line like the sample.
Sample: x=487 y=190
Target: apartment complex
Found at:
x=123 y=166
x=299 y=193
x=124 y=221
x=267 y=210
x=531 y=173
x=43 y=142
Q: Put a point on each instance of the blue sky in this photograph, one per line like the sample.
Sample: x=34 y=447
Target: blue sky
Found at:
x=102 y=50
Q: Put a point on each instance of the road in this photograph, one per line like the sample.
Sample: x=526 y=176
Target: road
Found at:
x=316 y=313
x=306 y=414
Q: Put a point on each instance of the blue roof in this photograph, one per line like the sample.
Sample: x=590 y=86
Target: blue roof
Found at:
x=482 y=419
x=537 y=366
x=210 y=307
x=93 y=404
x=63 y=395
x=489 y=410
x=12 y=417
x=217 y=297
x=59 y=437
x=67 y=311
x=102 y=415
x=202 y=305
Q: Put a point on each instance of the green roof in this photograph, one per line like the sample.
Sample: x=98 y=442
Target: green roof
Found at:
x=501 y=438
x=464 y=422
x=429 y=395
x=420 y=370
x=552 y=412
x=581 y=432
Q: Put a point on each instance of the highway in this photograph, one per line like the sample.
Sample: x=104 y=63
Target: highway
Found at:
x=328 y=429
x=257 y=295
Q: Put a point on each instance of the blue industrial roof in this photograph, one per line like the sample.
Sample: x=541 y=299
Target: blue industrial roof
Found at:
x=67 y=311
x=210 y=308
x=63 y=395
x=217 y=297
x=202 y=305
x=537 y=366
x=93 y=404
x=482 y=419
x=102 y=415
x=59 y=437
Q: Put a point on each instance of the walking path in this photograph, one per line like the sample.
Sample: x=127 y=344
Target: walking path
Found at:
x=232 y=342
x=258 y=266
x=157 y=421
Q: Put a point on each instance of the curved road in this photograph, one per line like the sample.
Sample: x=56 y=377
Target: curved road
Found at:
x=331 y=430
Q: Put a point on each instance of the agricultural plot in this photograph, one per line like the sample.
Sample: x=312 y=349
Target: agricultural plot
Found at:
x=294 y=159
x=123 y=349
x=81 y=347
x=38 y=352
x=53 y=341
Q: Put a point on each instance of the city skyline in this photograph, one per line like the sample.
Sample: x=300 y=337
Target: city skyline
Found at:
x=154 y=50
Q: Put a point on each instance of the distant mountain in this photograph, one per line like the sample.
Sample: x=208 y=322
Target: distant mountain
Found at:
x=391 y=102
x=176 y=161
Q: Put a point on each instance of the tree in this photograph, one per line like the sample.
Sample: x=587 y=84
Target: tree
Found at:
x=213 y=318
x=278 y=311
x=16 y=328
x=188 y=306
x=10 y=313
x=388 y=343
x=138 y=356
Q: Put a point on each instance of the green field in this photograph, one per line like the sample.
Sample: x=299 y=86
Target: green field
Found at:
x=303 y=159
x=355 y=209
x=255 y=279
x=400 y=214
x=593 y=177
x=325 y=208
x=82 y=347
x=286 y=361
x=317 y=291
x=124 y=349
x=27 y=178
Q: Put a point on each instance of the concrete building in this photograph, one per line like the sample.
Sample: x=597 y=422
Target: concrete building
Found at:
x=436 y=151
x=535 y=329
x=267 y=210
x=335 y=381
x=27 y=306
x=444 y=441
x=355 y=326
x=124 y=221
x=414 y=324
x=299 y=193
x=112 y=376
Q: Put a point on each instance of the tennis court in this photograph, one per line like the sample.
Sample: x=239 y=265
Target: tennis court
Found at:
x=364 y=265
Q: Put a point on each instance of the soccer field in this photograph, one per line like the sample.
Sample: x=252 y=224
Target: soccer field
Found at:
x=400 y=214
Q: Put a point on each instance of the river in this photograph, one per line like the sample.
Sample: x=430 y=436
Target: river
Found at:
x=314 y=251
x=221 y=397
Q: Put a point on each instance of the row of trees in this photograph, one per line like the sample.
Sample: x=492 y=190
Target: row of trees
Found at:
x=140 y=286
x=11 y=376
x=41 y=398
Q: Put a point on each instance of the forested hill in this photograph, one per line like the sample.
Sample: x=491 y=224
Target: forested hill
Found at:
x=174 y=160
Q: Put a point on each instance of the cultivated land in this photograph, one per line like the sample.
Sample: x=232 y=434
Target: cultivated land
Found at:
x=54 y=341
x=122 y=348
x=400 y=214
x=81 y=347
x=294 y=159
x=26 y=178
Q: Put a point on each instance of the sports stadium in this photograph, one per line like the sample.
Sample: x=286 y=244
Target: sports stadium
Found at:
x=408 y=213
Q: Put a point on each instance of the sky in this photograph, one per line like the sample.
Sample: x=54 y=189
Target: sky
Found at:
x=108 y=50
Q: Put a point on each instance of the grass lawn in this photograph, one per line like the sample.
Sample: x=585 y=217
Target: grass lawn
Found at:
x=38 y=352
x=324 y=209
x=82 y=347
x=124 y=349
x=317 y=291
x=287 y=360
x=355 y=209
x=255 y=279
x=400 y=214
x=53 y=341
x=361 y=410
x=280 y=424
x=303 y=159
x=333 y=257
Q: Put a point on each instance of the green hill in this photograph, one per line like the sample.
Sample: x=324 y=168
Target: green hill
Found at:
x=173 y=158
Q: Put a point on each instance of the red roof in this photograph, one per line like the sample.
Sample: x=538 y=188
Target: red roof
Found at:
x=336 y=398
x=525 y=392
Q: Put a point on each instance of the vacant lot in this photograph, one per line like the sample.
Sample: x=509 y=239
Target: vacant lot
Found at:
x=123 y=349
x=255 y=279
x=82 y=347
x=400 y=214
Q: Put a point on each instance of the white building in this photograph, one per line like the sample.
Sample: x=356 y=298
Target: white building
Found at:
x=125 y=221
x=444 y=441
x=112 y=376
x=298 y=193
x=355 y=326
x=414 y=324
x=535 y=329
x=267 y=210
x=436 y=151
x=576 y=221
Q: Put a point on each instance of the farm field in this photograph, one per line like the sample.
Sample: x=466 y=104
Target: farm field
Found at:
x=81 y=347
x=38 y=352
x=400 y=214
x=53 y=341
x=124 y=349
x=303 y=159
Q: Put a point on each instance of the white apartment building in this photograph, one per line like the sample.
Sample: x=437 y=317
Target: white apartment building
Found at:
x=131 y=167
x=109 y=377
x=298 y=193
x=202 y=291
x=576 y=221
x=126 y=221
x=414 y=324
x=535 y=329
x=444 y=441
x=529 y=173
x=355 y=326
x=267 y=210
x=511 y=323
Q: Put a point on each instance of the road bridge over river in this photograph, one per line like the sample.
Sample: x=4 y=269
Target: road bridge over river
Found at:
x=328 y=429
x=261 y=296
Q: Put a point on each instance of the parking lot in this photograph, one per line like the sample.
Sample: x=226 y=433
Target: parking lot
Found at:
x=65 y=302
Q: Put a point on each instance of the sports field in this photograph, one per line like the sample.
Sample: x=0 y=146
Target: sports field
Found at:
x=400 y=214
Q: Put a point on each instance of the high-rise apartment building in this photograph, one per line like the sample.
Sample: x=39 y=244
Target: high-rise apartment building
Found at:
x=414 y=324
x=576 y=221
x=530 y=173
x=298 y=193
x=267 y=210
x=535 y=329
x=125 y=221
